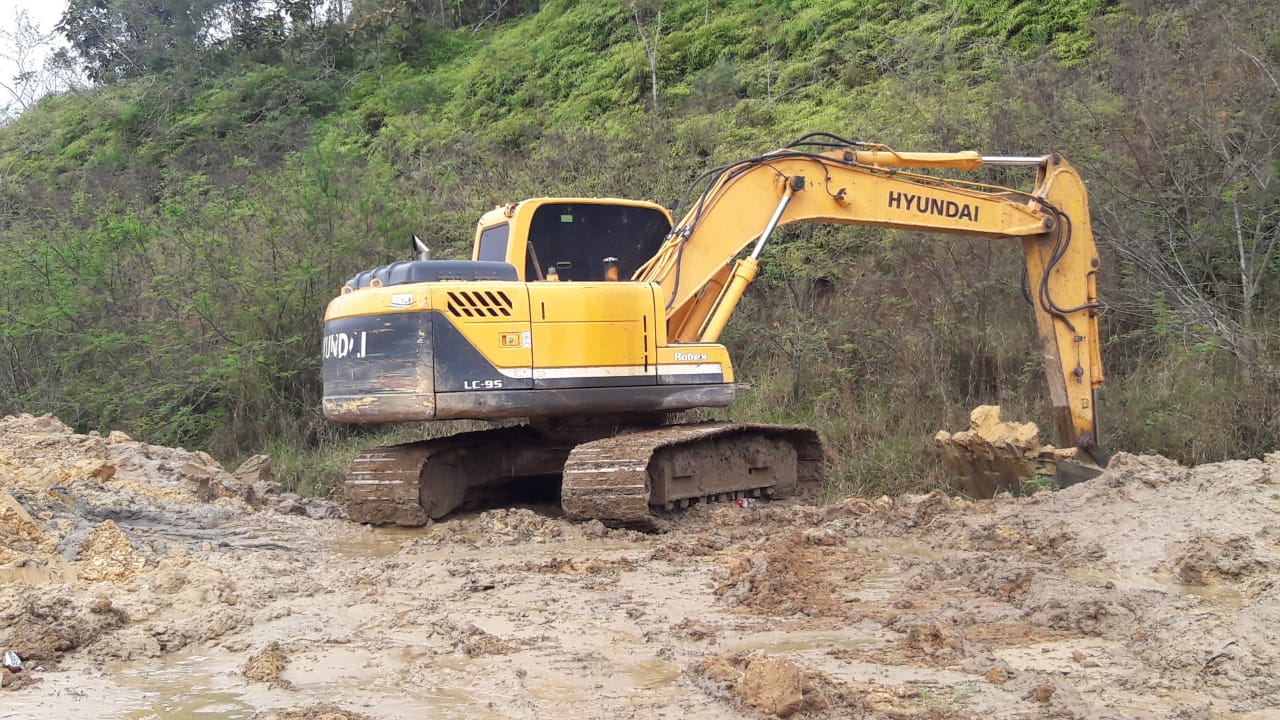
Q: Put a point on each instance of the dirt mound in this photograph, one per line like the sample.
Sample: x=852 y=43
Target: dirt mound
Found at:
x=1147 y=592
x=84 y=517
x=42 y=460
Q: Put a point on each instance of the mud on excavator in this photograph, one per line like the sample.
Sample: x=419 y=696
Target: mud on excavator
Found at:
x=544 y=324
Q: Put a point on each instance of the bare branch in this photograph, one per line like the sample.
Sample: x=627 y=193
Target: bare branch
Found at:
x=1261 y=66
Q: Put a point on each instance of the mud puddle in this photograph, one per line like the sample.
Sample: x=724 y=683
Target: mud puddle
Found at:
x=794 y=642
x=1163 y=582
x=372 y=542
x=39 y=572
x=208 y=684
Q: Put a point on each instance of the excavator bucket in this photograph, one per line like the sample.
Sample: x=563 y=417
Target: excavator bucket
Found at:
x=1070 y=471
x=994 y=455
x=1080 y=467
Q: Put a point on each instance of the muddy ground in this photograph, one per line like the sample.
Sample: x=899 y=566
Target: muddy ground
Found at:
x=144 y=582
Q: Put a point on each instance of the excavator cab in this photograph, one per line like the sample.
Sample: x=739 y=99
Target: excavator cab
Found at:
x=573 y=236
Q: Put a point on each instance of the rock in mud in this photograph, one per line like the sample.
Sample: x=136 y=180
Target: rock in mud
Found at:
x=12 y=662
x=255 y=470
x=939 y=640
x=255 y=483
x=314 y=508
x=475 y=642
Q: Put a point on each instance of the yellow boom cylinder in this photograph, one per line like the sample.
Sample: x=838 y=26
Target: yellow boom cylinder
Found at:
x=744 y=271
x=967 y=160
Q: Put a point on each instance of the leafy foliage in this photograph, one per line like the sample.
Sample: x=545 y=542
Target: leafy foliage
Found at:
x=120 y=38
x=173 y=234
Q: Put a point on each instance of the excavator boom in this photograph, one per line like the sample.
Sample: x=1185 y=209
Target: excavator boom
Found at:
x=745 y=201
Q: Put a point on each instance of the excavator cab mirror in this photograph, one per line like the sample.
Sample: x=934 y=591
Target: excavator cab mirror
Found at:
x=420 y=249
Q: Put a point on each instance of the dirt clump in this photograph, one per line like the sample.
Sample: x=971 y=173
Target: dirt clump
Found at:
x=475 y=642
x=41 y=628
x=1203 y=559
x=268 y=666
x=695 y=630
x=107 y=555
x=789 y=574
x=940 y=640
x=775 y=686
x=21 y=537
x=320 y=711
x=16 y=525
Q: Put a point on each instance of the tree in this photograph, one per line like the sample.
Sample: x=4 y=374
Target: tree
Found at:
x=118 y=39
x=1198 y=216
x=647 y=16
x=23 y=48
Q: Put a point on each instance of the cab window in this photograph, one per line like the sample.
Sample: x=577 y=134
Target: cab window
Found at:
x=493 y=243
x=575 y=238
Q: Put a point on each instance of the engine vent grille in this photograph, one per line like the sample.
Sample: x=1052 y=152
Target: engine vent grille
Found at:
x=479 y=303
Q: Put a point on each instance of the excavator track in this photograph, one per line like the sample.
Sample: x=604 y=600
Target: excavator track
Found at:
x=414 y=483
x=618 y=478
x=621 y=479
x=382 y=485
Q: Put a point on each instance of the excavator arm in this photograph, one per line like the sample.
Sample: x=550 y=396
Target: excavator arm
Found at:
x=864 y=184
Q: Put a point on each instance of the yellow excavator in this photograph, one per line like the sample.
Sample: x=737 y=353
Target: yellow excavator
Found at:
x=596 y=319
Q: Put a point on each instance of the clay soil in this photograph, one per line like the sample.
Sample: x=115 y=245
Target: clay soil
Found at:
x=143 y=582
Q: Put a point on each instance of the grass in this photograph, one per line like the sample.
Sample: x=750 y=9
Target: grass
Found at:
x=318 y=468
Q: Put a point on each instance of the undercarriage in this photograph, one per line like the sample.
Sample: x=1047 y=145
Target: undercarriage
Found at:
x=616 y=473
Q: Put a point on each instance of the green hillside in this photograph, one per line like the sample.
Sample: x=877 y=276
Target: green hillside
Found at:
x=173 y=233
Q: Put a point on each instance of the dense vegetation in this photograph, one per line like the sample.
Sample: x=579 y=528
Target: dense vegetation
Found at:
x=172 y=234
